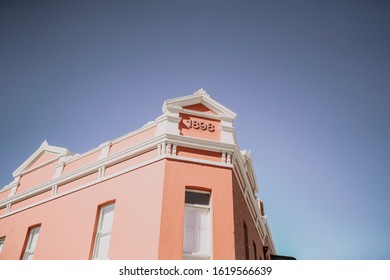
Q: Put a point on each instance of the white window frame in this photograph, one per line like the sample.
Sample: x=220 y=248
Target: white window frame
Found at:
x=195 y=255
x=30 y=247
x=102 y=233
x=2 y=240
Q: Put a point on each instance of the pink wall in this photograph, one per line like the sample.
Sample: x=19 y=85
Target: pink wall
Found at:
x=218 y=180
x=200 y=108
x=37 y=177
x=67 y=223
x=43 y=158
x=83 y=160
x=77 y=183
x=30 y=200
x=130 y=162
x=132 y=140
x=199 y=154
x=4 y=194
x=210 y=128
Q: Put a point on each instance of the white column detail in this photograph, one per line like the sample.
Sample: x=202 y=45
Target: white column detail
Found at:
x=224 y=157
x=164 y=146
x=169 y=148
x=227 y=130
x=54 y=190
x=105 y=149
x=174 y=150
x=60 y=167
x=8 y=208
x=229 y=158
x=101 y=170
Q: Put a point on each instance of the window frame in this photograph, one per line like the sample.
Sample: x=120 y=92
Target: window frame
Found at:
x=2 y=241
x=187 y=255
x=28 y=250
x=102 y=233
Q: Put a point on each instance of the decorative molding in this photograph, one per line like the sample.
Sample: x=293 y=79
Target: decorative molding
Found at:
x=60 y=167
x=54 y=190
x=44 y=147
x=105 y=149
x=8 y=208
x=101 y=172
x=168 y=150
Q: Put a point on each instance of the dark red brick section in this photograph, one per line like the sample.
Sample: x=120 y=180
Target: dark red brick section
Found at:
x=241 y=215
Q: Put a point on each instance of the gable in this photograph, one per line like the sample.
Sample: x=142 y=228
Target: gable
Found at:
x=197 y=116
x=201 y=102
x=42 y=158
x=44 y=154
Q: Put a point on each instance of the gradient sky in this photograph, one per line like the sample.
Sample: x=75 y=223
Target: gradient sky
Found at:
x=309 y=81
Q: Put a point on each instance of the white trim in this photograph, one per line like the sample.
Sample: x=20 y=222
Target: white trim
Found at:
x=200 y=114
x=30 y=249
x=84 y=186
x=105 y=150
x=199 y=97
x=146 y=146
x=2 y=241
x=44 y=147
x=210 y=224
x=99 y=232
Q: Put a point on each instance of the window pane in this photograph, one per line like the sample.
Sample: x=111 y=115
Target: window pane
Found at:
x=203 y=218
x=33 y=239
x=31 y=243
x=189 y=229
x=28 y=256
x=197 y=228
x=107 y=218
x=197 y=231
x=103 y=245
x=203 y=233
x=197 y=198
x=1 y=244
x=103 y=233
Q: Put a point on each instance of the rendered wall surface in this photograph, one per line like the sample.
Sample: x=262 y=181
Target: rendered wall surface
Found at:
x=146 y=174
x=67 y=223
x=217 y=180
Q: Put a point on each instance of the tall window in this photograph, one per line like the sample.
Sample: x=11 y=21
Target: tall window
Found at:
x=2 y=239
x=33 y=235
x=103 y=232
x=254 y=250
x=197 y=226
x=246 y=241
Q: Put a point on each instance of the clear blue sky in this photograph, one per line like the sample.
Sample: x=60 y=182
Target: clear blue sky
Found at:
x=309 y=81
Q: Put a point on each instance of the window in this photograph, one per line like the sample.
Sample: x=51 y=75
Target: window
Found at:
x=33 y=235
x=197 y=226
x=103 y=232
x=254 y=250
x=2 y=239
x=246 y=241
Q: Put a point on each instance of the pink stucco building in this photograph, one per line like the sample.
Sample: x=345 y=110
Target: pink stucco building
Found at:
x=177 y=188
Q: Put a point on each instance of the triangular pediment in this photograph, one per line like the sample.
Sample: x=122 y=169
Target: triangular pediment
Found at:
x=199 y=108
x=201 y=102
x=42 y=155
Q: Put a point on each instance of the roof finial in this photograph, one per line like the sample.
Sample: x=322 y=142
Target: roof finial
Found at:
x=201 y=92
x=44 y=143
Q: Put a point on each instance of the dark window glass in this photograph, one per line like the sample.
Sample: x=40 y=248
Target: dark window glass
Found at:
x=246 y=242
x=197 y=198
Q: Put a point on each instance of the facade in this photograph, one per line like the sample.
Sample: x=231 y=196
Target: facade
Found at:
x=177 y=188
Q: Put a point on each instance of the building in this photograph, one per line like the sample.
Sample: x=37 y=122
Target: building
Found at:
x=177 y=188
